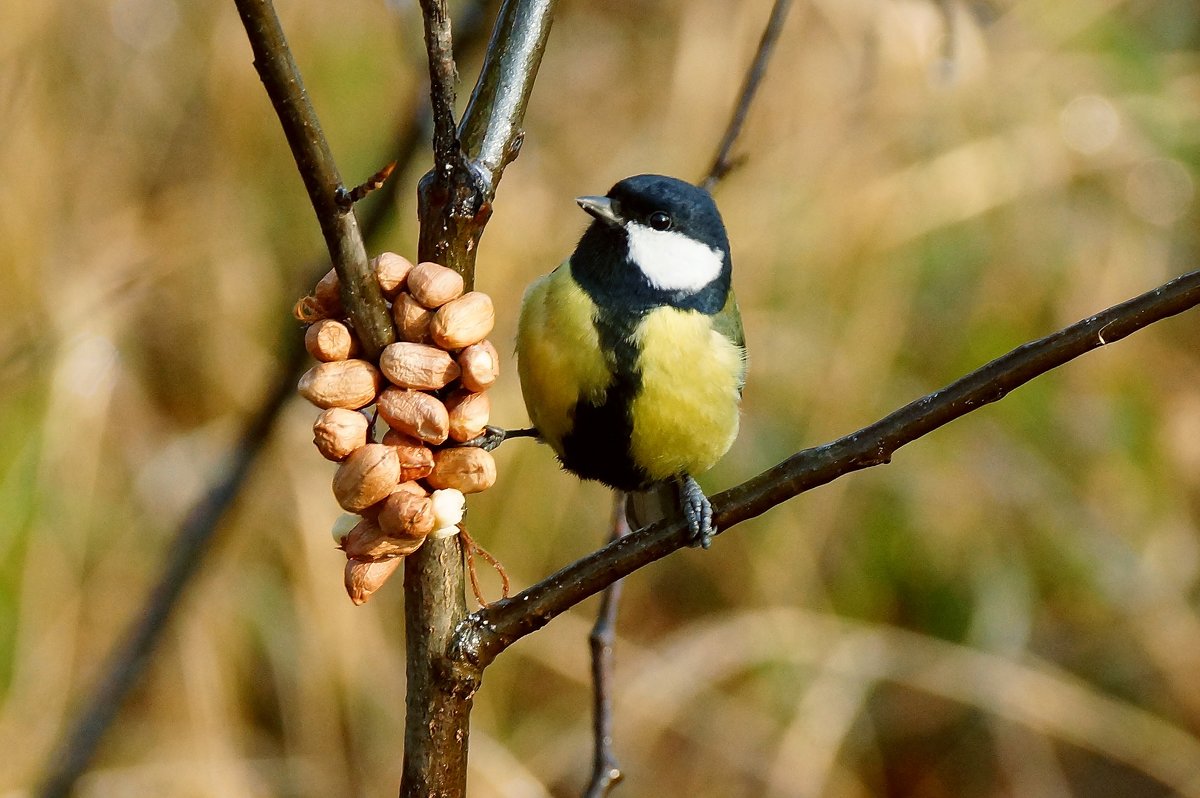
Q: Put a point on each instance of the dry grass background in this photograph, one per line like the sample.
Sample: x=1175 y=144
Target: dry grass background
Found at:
x=1010 y=608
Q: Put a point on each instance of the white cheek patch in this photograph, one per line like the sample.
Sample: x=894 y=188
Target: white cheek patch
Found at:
x=671 y=261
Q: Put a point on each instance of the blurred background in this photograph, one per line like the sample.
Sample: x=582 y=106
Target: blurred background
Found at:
x=1009 y=609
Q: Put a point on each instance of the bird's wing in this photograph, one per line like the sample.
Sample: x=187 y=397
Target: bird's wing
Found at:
x=728 y=322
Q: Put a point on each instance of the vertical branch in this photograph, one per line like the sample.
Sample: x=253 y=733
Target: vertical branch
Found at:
x=442 y=76
x=438 y=706
x=281 y=78
x=454 y=205
x=438 y=712
x=491 y=127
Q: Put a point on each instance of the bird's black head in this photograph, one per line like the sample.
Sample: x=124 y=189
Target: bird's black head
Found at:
x=655 y=241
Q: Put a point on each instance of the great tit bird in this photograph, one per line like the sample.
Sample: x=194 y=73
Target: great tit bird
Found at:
x=631 y=353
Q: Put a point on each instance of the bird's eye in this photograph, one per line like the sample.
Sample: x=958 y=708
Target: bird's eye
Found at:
x=660 y=221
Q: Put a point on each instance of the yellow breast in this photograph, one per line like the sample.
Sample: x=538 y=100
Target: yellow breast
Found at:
x=686 y=415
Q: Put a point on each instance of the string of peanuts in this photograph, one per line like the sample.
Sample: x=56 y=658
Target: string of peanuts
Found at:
x=430 y=388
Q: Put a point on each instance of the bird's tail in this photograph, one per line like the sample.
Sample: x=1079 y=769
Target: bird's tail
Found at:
x=645 y=507
x=680 y=498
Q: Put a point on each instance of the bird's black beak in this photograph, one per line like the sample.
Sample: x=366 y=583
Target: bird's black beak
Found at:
x=603 y=208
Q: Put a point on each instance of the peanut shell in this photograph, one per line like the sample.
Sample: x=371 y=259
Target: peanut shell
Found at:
x=412 y=319
x=415 y=413
x=480 y=366
x=328 y=340
x=418 y=366
x=434 y=285
x=364 y=578
x=367 y=476
x=469 y=413
x=328 y=293
x=467 y=468
x=406 y=517
x=341 y=383
x=463 y=321
x=416 y=459
x=391 y=272
x=338 y=432
x=368 y=540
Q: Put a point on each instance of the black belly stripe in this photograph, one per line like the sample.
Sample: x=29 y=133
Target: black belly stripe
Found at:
x=598 y=445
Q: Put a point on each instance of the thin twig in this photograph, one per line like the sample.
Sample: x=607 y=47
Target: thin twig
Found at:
x=606 y=773
x=494 y=628
x=346 y=199
x=273 y=60
x=412 y=130
x=722 y=163
x=455 y=206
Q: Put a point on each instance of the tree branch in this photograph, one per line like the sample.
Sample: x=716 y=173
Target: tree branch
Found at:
x=491 y=127
x=437 y=707
x=281 y=78
x=455 y=203
x=492 y=629
x=128 y=660
x=442 y=76
x=722 y=164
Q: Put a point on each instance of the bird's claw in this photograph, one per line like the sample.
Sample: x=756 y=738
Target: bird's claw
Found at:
x=494 y=436
x=489 y=439
x=697 y=511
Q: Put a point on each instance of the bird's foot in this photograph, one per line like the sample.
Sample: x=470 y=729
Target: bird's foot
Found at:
x=492 y=437
x=697 y=511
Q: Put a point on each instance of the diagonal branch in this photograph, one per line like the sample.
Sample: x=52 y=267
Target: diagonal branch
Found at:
x=491 y=125
x=281 y=78
x=494 y=628
x=723 y=163
x=132 y=653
